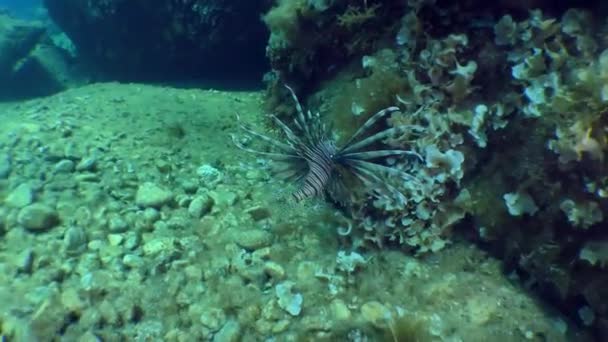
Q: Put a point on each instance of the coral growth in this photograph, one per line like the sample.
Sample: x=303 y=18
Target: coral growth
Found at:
x=513 y=129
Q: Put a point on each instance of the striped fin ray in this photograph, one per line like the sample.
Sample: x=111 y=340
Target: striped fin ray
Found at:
x=373 y=181
x=387 y=133
x=378 y=154
x=273 y=142
x=369 y=123
x=380 y=169
x=271 y=155
x=302 y=120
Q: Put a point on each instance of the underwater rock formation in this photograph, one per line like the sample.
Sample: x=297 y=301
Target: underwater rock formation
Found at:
x=170 y=39
x=512 y=102
x=30 y=62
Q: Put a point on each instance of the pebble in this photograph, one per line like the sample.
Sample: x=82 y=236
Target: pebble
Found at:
x=209 y=175
x=64 y=166
x=199 y=206
x=213 y=318
x=151 y=215
x=288 y=299
x=115 y=239
x=254 y=239
x=74 y=240
x=190 y=185
x=274 y=270
x=95 y=245
x=26 y=261
x=152 y=195
x=131 y=241
x=87 y=164
x=71 y=300
x=258 y=213
x=5 y=165
x=339 y=310
x=117 y=225
x=230 y=332
x=158 y=245
x=375 y=313
x=133 y=261
x=222 y=199
x=20 y=197
x=37 y=217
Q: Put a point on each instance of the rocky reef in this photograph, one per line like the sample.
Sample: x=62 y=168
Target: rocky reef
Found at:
x=31 y=63
x=171 y=40
x=511 y=103
x=126 y=214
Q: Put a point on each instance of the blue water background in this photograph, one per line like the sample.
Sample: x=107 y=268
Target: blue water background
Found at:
x=21 y=8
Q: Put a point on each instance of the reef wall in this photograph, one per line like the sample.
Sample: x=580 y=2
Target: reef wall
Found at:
x=31 y=61
x=171 y=39
x=510 y=103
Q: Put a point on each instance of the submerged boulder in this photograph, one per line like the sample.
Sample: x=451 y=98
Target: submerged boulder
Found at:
x=30 y=63
x=17 y=40
x=170 y=39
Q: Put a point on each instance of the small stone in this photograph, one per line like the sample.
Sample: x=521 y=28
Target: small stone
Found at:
x=133 y=261
x=199 y=206
x=163 y=166
x=159 y=245
x=222 y=199
x=131 y=241
x=213 y=318
x=20 y=197
x=280 y=326
x=151 y=215
x=230 y=332
x=261 y=254
x=209 y=175
x=95 y=245
x=96 y=280
x=64 y=166
x=5 y=165
x=179 y=221
x=258 y=213
x=254 y=239
x=37 y=217
x=253 y=174
x=74 y=240
x=26 y=261
x=375 y=313
x=193 y=272
x=89 y=336
x=152 y=195
x=72 y=151
x=87 y=177
x=274 y=270
x=190 y=185
x=117 y=225
x=87 y=164
x=288 y=299
x=70 y=299
x=115 y=239
x=339 y=310
x=183 y=200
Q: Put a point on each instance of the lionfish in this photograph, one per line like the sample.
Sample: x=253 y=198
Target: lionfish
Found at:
x=311 y=157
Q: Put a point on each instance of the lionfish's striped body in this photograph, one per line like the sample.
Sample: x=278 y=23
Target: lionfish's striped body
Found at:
x=320 y=160
x=312 y=158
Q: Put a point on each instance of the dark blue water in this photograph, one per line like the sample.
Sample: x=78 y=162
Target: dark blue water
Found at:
x=22 y=8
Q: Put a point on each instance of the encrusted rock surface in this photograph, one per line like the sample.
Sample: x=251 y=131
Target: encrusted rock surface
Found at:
x=170 y=39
